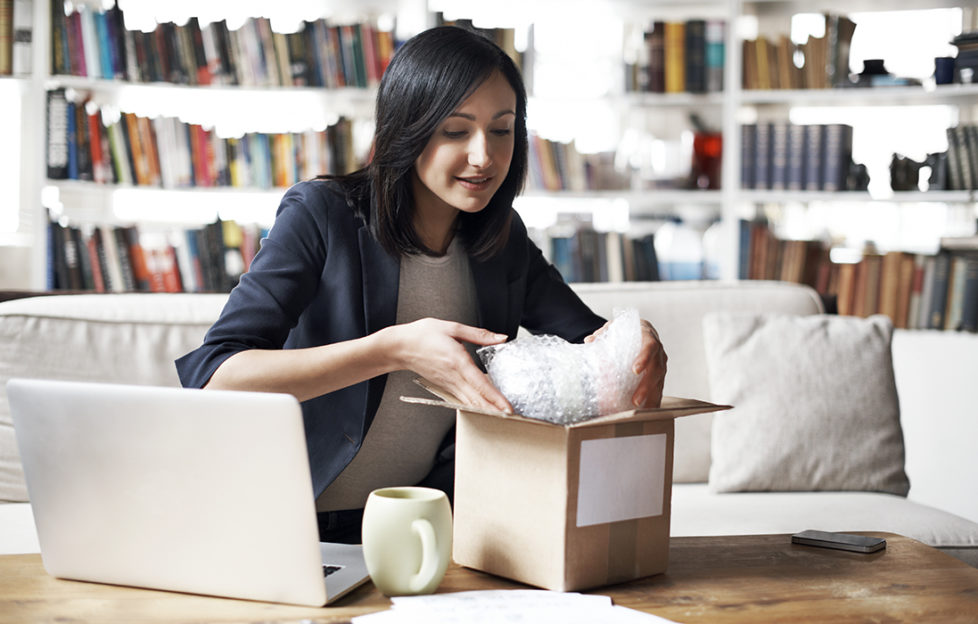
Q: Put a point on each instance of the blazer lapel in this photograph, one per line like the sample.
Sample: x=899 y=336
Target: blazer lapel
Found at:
x=490 y=288
x=380 y=279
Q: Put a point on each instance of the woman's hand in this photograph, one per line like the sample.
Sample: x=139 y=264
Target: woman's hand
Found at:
x=650 y=363
x=434 y=349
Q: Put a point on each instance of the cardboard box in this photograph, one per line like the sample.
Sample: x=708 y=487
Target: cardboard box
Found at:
x=564 y=507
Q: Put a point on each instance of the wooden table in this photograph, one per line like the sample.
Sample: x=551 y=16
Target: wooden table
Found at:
x=761 y=578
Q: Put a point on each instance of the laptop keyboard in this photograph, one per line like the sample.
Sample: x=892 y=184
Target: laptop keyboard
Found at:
x=329 y=569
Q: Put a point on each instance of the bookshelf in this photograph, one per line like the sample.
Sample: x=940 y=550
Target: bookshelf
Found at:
x=634 y=201
x=173 y=128
x=885 y=236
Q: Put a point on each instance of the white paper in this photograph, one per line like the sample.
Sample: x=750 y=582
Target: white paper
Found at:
x=507 y=607
x=500 y=599
x=621 y=479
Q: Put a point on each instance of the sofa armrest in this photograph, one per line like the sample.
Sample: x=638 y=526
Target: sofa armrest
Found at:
x=935 y=377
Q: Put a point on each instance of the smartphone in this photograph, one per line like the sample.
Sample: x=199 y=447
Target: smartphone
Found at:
x=841 y=541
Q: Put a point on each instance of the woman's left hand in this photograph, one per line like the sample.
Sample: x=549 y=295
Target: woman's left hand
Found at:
x=650 y=364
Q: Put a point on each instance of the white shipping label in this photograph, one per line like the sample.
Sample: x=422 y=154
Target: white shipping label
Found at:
x=621 y=479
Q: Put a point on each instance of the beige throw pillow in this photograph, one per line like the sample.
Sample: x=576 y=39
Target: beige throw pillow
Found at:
x=815 y=404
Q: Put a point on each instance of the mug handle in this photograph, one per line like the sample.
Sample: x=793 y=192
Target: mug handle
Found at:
x=429 y=554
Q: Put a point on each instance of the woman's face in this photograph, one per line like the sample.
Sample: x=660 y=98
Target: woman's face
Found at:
x=468 y=156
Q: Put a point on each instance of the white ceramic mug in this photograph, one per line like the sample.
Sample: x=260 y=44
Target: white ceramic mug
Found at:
x=407 y=539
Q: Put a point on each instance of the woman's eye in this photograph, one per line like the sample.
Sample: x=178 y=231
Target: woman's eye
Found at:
x=502 y=132
x=454 y=134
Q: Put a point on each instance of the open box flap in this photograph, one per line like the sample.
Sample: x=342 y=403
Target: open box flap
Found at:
x=671 y=407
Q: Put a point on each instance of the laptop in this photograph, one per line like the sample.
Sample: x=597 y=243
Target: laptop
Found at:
x=197 y=491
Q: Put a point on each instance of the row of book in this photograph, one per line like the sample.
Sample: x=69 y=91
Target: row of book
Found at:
x=559 y=166
x=583 y=254
x=121 y=258
x=165 y=151
x=680 y=56
x=916 y=290
x=770 y=62
x=90 y=42
x=780 y=155
x=961 y=172
x=16 y=32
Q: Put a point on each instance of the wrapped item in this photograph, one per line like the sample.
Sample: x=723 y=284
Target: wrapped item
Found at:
x=547 y=378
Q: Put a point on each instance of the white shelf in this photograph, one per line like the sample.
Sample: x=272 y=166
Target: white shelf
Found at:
x=778 y=7
x=955 y=94
x=898 y=197
x=90 y=202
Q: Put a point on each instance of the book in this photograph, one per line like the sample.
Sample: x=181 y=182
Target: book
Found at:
x=716 y=42
x=748 y=149
x=22 y=37
x=82 y=148
x=867 y=291
x=694 y=55
x=84 y=278
x=968 y=320
x=57 y=134
x=779 y=155
x=814 y=161
x=846 y=288
x=96 y=260
x=939 y=291
x=60 y=61
x=674 y=40
x=836 y=155
x=839 y=30
x=957 y=276
x=784 y=50
x=762 y=155
x=656 y=43
x=891 y=274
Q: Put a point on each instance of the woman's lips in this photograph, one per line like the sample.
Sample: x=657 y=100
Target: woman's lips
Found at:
x=474 y=183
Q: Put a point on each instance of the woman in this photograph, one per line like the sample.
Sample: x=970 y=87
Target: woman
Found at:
x=398 y=271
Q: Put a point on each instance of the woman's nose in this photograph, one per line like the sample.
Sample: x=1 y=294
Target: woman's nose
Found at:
x=479 y=151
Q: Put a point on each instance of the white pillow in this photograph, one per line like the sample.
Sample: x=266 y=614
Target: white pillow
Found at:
x=815 y=404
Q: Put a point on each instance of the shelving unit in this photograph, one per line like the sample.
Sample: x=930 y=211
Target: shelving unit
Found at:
x=726 y=111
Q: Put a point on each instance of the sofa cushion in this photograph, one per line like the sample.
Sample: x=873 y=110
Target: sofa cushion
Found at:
x=130 y=338
x=676 y=309
x=698 y=511
x=815 y=404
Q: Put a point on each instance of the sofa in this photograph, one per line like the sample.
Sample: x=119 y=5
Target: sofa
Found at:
x=931 y=423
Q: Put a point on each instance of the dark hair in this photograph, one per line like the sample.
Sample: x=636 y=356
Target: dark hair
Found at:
x=428 y=77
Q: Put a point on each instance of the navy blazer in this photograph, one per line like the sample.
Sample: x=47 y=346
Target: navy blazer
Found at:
x=321 y=277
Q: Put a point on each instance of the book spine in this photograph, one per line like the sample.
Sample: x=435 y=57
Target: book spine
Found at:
x=836 y=156
x=716 y=42
x=779 y=155
x=694 y=55
x=656 y=43
x=675 y=64
x=22 y=36
x=90 y=42
x=796 y=157
x=6 y=37
x=814 y=147
x=939 y=291
x=762 y=155
x=969 y=305
x=57 y=134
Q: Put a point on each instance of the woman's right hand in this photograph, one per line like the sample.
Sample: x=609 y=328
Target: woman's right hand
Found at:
x=435 y=350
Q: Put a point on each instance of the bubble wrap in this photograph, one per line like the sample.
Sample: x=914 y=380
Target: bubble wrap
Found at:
x=547 y=378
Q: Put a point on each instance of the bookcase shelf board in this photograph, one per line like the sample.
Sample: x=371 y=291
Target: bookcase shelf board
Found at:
x=942 y=197
x=780 y=7
x=954 y=94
